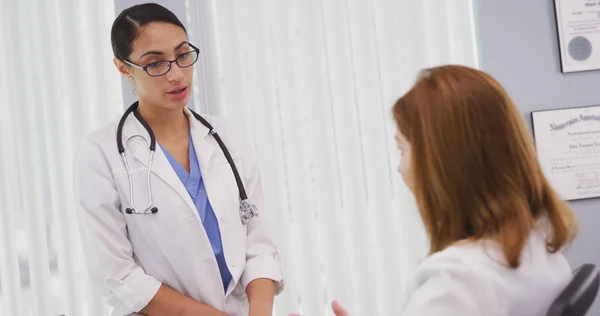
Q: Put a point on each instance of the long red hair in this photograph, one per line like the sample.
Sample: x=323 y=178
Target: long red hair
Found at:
x=476 y=174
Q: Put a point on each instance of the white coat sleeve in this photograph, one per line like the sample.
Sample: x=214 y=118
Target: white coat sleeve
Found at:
x=447 y=287
x=108 y=252
x=262 y=255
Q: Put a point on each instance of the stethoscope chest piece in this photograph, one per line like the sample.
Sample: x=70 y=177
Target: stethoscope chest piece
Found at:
x=247 y=211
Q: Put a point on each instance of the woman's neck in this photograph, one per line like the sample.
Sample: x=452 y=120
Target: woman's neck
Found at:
x=166 y=124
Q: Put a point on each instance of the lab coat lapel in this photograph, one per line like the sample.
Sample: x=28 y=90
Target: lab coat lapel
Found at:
x=160 y=165
x=208 y=152
x=215 y=172
x=201 y=137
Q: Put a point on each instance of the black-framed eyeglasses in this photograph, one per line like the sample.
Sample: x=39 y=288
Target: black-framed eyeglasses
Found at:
x=160 y=68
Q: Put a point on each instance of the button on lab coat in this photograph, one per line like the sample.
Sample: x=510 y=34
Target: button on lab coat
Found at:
x=129 y=256
x=471 y=279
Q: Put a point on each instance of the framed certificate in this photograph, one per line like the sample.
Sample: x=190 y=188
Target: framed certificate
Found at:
x=578 y=26
x=568 y=146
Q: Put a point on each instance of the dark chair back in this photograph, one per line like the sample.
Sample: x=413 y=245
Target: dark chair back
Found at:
x=580 y=293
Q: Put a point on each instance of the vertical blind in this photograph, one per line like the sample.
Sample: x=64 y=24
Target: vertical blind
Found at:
x=57 y=84
x=312 y=84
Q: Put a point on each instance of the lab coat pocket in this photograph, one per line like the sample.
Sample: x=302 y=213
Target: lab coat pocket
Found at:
x=157 y=235
x=135 y=167
x=133 y=189
x=161 y=196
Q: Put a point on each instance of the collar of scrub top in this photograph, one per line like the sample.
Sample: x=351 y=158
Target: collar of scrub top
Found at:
x=247 y=209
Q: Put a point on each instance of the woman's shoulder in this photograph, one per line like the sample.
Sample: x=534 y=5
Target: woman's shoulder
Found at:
x=445 y=282
x=488 y=253
x=94 y=145
x=455 y=260
x=232 y=134
x=481 y=264
x=475 y=272
x=103 y=134
x=224 y=126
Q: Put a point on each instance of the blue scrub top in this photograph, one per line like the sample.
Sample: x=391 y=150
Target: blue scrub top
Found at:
x=195 y=186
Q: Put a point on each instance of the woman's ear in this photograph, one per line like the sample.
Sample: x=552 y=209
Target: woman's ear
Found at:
x=123 y=68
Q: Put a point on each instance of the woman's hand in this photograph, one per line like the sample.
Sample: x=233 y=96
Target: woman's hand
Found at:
x=338 y=310
x=167 y=301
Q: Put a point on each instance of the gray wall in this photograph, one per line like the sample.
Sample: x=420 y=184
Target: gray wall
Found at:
x=177 y=7
x=519 y=47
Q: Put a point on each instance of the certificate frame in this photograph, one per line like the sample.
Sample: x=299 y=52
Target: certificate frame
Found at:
x=569 y=137
x=578 y=32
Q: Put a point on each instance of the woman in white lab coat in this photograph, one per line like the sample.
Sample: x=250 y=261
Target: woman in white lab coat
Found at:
x=164 y=228
x=495 y=224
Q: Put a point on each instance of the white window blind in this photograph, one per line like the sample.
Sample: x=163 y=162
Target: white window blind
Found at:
x=312 y=84
x=57 y=84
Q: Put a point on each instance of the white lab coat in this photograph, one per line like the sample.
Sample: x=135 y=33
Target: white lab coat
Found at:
x=470 y=279
x=129 y=256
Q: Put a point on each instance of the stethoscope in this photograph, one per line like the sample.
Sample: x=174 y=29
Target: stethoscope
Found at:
x=247 y=209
